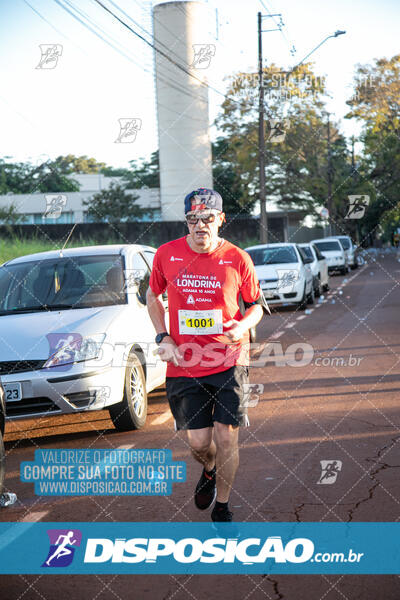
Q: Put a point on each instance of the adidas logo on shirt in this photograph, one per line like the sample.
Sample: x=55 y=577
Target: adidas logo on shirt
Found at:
x=225 y=262
x=175 y=258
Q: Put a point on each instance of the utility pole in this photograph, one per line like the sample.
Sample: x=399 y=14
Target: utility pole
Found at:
x=261 y=139
x=354 y=185
x=329 y=176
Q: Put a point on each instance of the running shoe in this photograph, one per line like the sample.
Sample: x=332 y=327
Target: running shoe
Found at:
x=222 y=523
x=221 y=515
x=206 y=491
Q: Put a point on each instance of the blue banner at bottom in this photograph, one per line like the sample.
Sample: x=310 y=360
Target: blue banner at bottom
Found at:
x=192 y=548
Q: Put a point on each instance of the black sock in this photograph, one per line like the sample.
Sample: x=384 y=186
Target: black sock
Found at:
x=221 y=505
x=212 y=472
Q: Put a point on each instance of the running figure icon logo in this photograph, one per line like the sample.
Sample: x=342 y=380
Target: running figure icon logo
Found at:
x=329 y=471
x=63 y=543
x=357 y=207
x=50 y=53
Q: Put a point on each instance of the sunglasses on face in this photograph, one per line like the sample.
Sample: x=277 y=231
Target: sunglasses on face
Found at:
x=206 y=219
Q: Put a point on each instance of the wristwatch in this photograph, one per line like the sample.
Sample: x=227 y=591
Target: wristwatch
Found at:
x=161 y=336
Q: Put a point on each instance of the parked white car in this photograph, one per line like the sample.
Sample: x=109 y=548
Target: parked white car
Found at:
x=319 y=268
x=76 y=334
x=349 y=248
x=332 y=250
x=284 y=273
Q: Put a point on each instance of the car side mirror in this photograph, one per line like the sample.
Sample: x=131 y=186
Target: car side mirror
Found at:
x=308 y=261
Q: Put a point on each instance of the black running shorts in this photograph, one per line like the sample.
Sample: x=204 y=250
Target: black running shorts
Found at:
x=197 y=402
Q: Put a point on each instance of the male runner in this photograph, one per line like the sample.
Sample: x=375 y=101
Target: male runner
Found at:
x=207 y=368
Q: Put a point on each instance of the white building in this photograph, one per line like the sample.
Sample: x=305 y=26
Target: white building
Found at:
x=33 y=206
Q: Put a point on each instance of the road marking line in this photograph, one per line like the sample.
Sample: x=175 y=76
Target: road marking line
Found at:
x=301 y=317
x=290 y=325
x=34 y=517
x=162 y=418
x=125 y=447
x=318 y=306
x=275 y=336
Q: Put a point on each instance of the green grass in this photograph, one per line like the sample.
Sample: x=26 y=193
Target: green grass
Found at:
x=13 y=248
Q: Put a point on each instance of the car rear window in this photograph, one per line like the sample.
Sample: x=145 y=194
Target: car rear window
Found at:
x=327 y=246
x=273 y=256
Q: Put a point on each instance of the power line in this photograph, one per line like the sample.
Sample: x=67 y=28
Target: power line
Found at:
x=159 y=51
x=120 y=51
x=291 y=47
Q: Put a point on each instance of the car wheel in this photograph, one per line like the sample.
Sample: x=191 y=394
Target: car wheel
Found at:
x=310 y=296
x=131 y=412
x=317 y=288
x=343 y=270
x=303 y=302
x=2 y=462
x=354 y=265
x=325 y=287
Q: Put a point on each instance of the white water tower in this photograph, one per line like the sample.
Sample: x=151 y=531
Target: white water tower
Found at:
x=182 y=101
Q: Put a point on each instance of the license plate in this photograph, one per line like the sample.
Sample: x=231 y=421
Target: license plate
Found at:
x=269 y=293
x=12 y=392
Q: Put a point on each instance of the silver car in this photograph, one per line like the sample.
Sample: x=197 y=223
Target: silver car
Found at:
x=76 y=334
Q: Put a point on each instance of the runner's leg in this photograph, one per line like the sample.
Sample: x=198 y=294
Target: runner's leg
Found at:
x=202 y=446
x=227 y=459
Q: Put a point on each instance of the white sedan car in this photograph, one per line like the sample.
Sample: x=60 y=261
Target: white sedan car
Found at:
x=349 y=248
x=284 y=273
x=76 y=334
x=319 y=268
x=332 y=250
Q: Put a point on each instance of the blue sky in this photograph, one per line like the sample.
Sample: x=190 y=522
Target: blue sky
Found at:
x=75 y=107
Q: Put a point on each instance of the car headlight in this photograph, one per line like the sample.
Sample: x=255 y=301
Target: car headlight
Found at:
x=88 y=348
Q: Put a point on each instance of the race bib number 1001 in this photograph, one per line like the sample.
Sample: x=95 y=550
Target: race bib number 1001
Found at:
x=200 y=322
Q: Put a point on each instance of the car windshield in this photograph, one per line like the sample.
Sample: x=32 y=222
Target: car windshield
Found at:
x=307 y=251
x=345 y=243
x=273 y=256
x=328 y=246
x=57 y=283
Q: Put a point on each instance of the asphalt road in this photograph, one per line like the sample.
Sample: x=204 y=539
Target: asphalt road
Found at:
x=337 y=402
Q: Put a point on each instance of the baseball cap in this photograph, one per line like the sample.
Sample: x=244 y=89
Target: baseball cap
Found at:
x=201 y=199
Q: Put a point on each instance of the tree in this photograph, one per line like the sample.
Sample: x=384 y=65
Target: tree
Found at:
x=78 y=164
x=376 y=102
x=114 y=205
x=25 y=178
x=297 y=167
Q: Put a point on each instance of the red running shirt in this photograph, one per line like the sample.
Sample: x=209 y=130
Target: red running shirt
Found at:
x=203 y=291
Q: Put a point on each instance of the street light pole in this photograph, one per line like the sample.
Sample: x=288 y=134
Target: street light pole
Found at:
x=261 y=139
